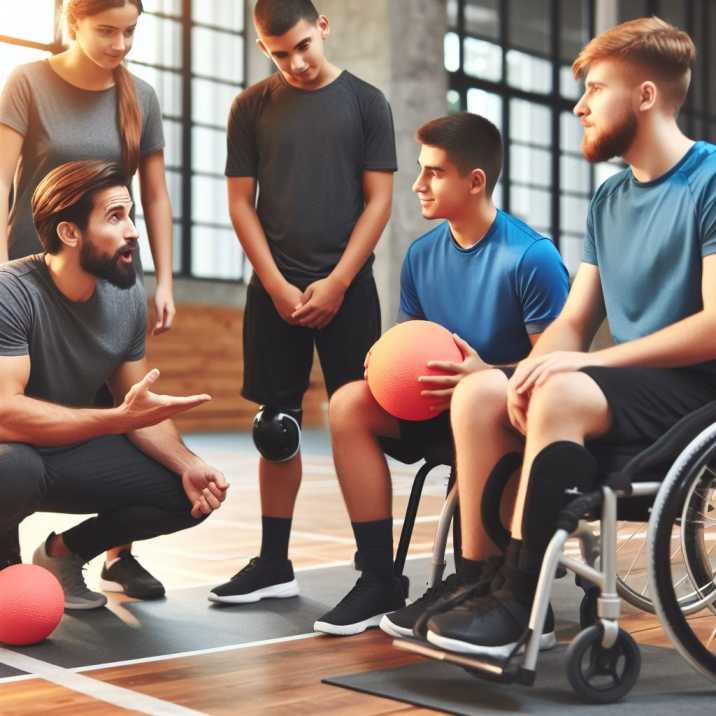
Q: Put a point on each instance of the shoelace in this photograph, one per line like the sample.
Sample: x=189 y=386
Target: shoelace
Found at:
x=447 y=586
x=72 y=571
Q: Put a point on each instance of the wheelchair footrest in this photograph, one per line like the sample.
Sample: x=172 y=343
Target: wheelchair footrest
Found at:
x=503 y=671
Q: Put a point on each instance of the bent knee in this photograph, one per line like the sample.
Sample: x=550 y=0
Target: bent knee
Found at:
x=572 y=396
x=483 y=393
x=350 y=404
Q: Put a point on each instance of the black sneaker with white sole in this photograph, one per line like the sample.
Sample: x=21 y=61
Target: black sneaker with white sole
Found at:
x=400 y=623
x=489 y=626
x=259 y=579
x=364 y=606
x=126 y=575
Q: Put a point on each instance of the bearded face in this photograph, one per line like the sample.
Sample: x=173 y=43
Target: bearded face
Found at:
x=600 y=144
x=117 y=268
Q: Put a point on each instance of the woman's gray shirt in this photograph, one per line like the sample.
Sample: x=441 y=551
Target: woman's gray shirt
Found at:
x=60 y=123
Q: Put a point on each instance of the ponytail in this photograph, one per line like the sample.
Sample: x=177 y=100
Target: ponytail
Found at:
x=129 y=118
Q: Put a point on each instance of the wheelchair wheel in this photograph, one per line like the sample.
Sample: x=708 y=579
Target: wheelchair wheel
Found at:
x=686 y=504
x=599 y=675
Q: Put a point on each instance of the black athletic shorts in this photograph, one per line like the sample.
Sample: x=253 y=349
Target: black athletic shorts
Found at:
x=415 y=435
x=278 y=356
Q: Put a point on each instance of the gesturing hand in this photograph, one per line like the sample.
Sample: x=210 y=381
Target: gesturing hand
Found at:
x=441 y=387
x=205 y=488
x=141 y=407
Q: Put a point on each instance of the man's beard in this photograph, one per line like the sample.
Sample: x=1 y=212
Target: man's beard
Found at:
x=614 y=142
x=108 y=267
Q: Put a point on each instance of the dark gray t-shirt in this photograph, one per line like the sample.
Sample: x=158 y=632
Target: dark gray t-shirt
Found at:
x=62 y=123
x=308 y=150
x=74 y=347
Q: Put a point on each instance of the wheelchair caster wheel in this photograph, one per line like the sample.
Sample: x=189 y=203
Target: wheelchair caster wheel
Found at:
x=588 y=608
x=599 y=675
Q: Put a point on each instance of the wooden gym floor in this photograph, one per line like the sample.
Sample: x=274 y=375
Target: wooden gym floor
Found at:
x=284 y=675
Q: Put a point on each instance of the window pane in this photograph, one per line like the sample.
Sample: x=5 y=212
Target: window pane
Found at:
x=167 y=7
x=453 y=101
x=209 y=202
x=700 y=69
x=573 y=214
x=529 y=26
x=497 y=194
x=604 y=170
x=487 y=104
x=227 y=14
x=482 y=17
x=33 y=20
x=211 y=101
x=570 y=132
x=208 y=151
x=145 y=251
x=158 y=42
x=451 y=50
x=215 y=253
x=533 y=206
x=574 y=174
x=572 y=250
x=530 y=122
x=482 y=59
x=217 y=54
x=13 y=55
x=167 y=85
x=528 y=73
x=574 y=25
x=568 y=86
x=173 y=142
x=535 y=164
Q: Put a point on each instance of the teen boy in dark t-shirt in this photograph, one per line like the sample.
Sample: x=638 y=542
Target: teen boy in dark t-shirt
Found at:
x=319 y=145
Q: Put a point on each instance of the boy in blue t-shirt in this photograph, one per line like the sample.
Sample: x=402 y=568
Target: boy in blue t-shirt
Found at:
x=649 y=267
x=488 y=278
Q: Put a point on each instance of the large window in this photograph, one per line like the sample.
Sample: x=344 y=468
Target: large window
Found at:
x=192 y=52
x=510 y=60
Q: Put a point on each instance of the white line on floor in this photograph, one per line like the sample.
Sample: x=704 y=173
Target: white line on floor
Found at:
x=99 y=690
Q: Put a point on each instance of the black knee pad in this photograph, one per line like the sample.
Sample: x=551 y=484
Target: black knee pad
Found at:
x=561 y=472
x=492 y=497
x=277 y=432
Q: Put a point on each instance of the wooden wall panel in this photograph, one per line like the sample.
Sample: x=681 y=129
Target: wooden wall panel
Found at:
x=203 y=354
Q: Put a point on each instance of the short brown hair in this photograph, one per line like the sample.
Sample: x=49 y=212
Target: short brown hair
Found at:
x=277 y=17
x=471 y=142
x=651 y=44
x=67 y=194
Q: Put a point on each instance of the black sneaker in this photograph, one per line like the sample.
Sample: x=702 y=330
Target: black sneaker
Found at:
x=9 y=549
x=401 y=623
x=363 y=607
x=126 y=575
x=259 y=579
x=490 y=625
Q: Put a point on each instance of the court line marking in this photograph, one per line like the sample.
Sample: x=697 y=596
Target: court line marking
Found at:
x=94 y=688
x=144 y=660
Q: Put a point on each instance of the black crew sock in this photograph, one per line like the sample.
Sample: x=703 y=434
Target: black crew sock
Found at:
x=275 y=533
x=375 y=545
x=470 y=570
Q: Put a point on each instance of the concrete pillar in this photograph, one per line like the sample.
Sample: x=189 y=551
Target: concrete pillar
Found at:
x=396 y=45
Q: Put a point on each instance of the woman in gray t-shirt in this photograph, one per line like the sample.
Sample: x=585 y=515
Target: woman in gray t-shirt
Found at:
x=84 y=104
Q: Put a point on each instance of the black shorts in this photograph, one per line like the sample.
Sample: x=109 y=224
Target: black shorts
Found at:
x=278 y=356
x=415 y=435
x=645 y=402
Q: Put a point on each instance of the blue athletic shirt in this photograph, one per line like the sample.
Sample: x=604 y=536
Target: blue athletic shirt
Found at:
x=510 y=284
x=648 y=240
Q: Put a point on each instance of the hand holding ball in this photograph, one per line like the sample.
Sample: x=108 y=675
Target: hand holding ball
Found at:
x=399 y=358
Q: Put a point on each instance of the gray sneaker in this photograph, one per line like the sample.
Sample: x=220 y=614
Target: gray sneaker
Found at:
x=69 y=572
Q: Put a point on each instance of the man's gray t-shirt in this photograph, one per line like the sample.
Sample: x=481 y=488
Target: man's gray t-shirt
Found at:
x=61 y=123
x=74 y=347
x=308 y=150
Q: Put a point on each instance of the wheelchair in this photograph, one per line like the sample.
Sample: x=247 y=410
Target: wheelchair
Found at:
x=672 y=486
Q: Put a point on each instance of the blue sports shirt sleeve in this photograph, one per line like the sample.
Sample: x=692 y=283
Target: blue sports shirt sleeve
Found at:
x=707 y=213
x=543 y=284
x=589 y=255
x=409 y=302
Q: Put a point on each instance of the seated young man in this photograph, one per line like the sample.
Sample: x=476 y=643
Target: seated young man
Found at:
x=72 y=319
x=650 y=267
x=492 y=281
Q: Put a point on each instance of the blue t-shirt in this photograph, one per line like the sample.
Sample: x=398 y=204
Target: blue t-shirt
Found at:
x=648 y=240
x=511 y=283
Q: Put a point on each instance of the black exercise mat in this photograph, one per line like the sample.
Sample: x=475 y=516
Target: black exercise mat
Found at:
x=187 y=621
x=667 y=685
